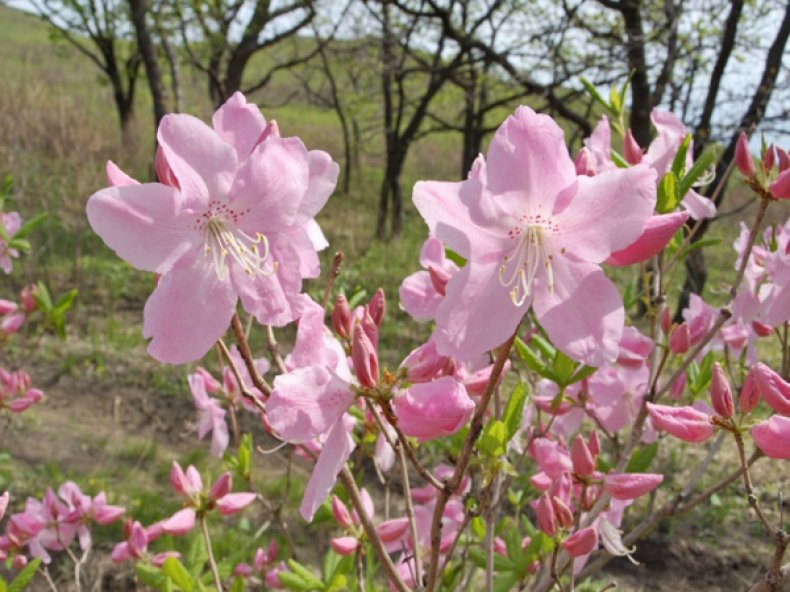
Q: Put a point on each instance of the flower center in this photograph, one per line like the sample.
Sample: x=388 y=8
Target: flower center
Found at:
x=224 y=239
x=532 y=250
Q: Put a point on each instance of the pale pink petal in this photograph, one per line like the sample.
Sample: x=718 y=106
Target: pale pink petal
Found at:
x=143 y=224
x=588 y=228
x=657 y=232
x=583 y=315
x=180 y=523
x=203 y=164
x=116 y=177
x=189 y=293
x=239 y=124
x=699 y=206
x=626 y=486
x=337 y=448
x=529 y=162
x=600 y=145
x=307 y=402
x=685 y=423
x=477 y=313
x=419 y=296
x=322 y=180
x=234 y=502
x=773 y=436
x=270 y=185
x=433 y=409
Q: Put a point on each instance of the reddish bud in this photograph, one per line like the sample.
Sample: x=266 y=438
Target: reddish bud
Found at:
x=341 y=513
x=341 y=317
x=27 y=297
x=686 y=423
x=680 y=339
x=344 y=545
x=221 y=487
x=750 y=394
x=594 y=444
x=720 y=393
x=365 y=359
x=627 y=486
x=581 y=543
x=632 y=152
x=665 y=320
x=761 y=329
x=377 y=307
x=743 y=158
x=772 y=388
x=769 y=158
x=784 y=160
x=585 y=163
x=563 y=513
x=545 y=514
x=780 y=188
x=582 y=458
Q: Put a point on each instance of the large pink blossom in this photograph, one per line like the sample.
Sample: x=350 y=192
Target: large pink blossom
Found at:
x=237 y=225
x=534 y=234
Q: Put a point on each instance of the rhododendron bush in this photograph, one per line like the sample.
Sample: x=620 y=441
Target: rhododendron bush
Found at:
x=519 y=446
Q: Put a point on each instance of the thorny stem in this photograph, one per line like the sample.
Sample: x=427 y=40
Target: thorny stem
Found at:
x=274 y=350
x=242 y=389
x=210 y=552
x=347 y=479
x=246 y=355
x=747 y=482
x=334 y=271
x=475 y=428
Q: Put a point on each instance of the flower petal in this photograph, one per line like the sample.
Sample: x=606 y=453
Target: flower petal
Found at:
x=583 y=314
x=239 y=124
x=657 y=232
x=190 y=292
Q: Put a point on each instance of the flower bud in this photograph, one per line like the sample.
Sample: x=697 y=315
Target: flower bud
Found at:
x=627 y=486
x=562 y=513
x=720 y=393
x=583 y=463
x=594 y=445
x=235 y=502
x=685 y=423
x=780 y=188
x=632 y=152
x=773 y=436
x=6 y=306
x=345 y=545
x=377 y=307
x=665 y=320
x=761 y=329
x=784 y=159
x=11 y=324
x=582 y=542
x=677 y=387
x=743 y=158
x=341 y=317
x=773 y=389
x=680 y=339
x=750 y=394
x=365 y=358
x=340 y=512
x=545 y=514
x=222 y=486
x=584 y=163
x=769 y=158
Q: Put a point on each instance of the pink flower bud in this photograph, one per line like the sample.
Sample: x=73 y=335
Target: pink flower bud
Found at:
x=750 y=394
x=19 y=562
x=500 y=548
x=769 y=158
x=773 y=389
x=242 y=570
x=377 y=307
x=178 y=480
x=234 y=502
x=582 y=458
x=365 y=358
x=685 y=423
x=392 y=530
x=344 y=545
x=680 y=339
x=12 y=324
x=780 y=188
x=433 y=409
x=585 y=163
x=545 y=514
x=424 y=363
x=627 y=486
x=720 y=393
x=562 y=513
x=341 y=513
x=180 y=523
x=784 y=159
x=773 y=436
x=6 y=306
x=221 y=487
x=632 y=152
x=341 y=317
x=762 y=329
x=594 y=445
x=743 y=158
x=582 y=542
x=665 y=319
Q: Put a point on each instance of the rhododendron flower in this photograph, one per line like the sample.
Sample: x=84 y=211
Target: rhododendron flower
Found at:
x=212 y=416
x=237 y=225
x=582 y=542
x=687 y=423
x=773 y=388
x=433 y=409
x=534 y=234
x=626 y=486
x=422 y=292
x=11 y=222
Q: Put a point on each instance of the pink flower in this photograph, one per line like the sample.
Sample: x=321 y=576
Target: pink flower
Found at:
x=432 y=410
x=581 y=542
x=720 y=393
x=212 y=416
x=239 y=225
x=345 y=545
x=780 y=188
x=11 y=223
x=422 y=292
x=773 y=389
x=534 y=234
x=773 y=436
x=686 y=423
x=582 y=458
x=656 y=233
x=743 y=158
x=626 y=486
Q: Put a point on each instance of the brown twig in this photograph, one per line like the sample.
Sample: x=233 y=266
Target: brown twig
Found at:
x=246 y=355
x=334 y=271
x=242 y=388
x=274 y=350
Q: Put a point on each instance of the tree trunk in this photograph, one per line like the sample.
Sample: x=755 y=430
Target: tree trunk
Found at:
x=139 y=9
x=640 y=85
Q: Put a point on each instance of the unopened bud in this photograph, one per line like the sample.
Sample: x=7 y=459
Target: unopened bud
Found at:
x=545 y=514
x=680 y=339
x=583 y=463
x=585 y=163
x=750 y=394
x=665 y=320
x=377 y=307
x=365 y=359
x=769 y=158
x=341 y=513
x=563 y=513
x=743 y=158
x=784 y=159
x=341 y=317
x=720 y=393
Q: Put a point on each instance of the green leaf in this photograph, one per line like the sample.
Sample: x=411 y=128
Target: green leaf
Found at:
x=614 y=100
x=539 y=545
x=478 y=556
x=305 y=574
x=582 y=373
x=478 y=527
x=547 y=350
x=65 y=302
x=514 y=409
x=42 y=297
x=24 y=577
x=454 y=257
x=534 y=363
x=244 y=456
x=294 y=582
x=358 y=297
x=706 y=159
x=626 y=84
x=699 y=244
x=196 y=556
x=174 y=570
x=679 y=162
x=595 y=94
x=336 y=565
x=641 y=459
x=563 y=368
x=493 y=440
x=505 y=581
x=237 y=585
x=3 y=585
x=618 y=160
x=149 y=575
x=668 y=197
x=30 y=225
